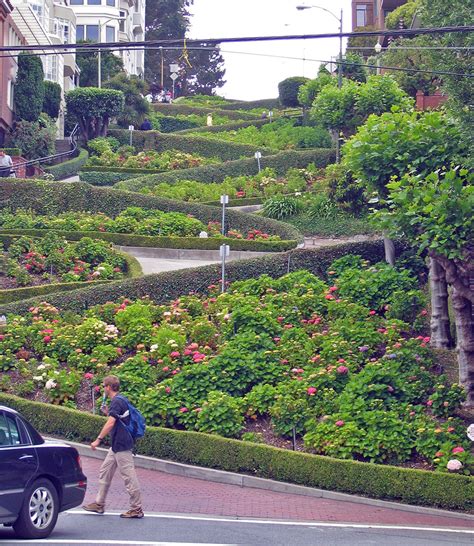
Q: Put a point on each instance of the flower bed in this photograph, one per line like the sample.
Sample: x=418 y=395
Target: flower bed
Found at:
x=262 y=185
x=52 y=259
x=355 y=382
x=133 y=220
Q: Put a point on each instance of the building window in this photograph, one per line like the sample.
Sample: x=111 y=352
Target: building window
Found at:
x=109 y=34
x=80 y=33
x=110 y=2
x=92 y=33
x=122 y=21
x=94 y=2
x=76 y=2
x=361 y=15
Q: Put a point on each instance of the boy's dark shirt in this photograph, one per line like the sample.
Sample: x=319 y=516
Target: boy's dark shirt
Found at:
x=121 y=438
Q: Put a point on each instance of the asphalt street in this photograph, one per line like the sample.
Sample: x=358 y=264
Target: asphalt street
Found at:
x=78 y=527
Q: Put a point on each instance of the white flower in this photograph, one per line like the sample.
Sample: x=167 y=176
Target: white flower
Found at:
x=153 y=347
x=37 y=378
x=41 y=367
x=167 y=314
x=50 y=384
x=454 y=465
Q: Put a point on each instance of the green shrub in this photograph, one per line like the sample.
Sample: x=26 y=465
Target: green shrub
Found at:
x=281 y=206
x=52 y=99
x=70 y=167
x=383 y=482
x=177 y=108
x=29 y=88
x=34 y=138
x=288 y=90
x=225 y=127
x=221 y=415
x=107 y=176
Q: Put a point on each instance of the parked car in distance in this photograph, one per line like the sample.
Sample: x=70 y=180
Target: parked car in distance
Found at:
x=38 y=478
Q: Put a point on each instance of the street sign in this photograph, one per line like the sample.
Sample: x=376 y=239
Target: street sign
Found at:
x=224 y=251
x=131 y=127
x=224 y=199
x=174 y=76
x=174 y=67
x=258 y=155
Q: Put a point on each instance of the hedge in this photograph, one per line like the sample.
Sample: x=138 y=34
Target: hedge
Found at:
x=68 y=168
x=56 y=197
x=160 y=142
x=10 y=295
x=225 y=127
x=105 y=178
x=267 y=104
x=176 y=109
x=407 y=485
x=11 y=151
x=194 y=243
x=163 y=287
x=281 y=162
x=170 y=124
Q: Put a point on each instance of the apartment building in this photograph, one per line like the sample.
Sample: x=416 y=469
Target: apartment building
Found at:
x=372 y=12
x=109 y=21
x=10 y=35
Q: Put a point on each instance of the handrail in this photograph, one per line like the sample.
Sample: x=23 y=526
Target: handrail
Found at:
x=73 y=143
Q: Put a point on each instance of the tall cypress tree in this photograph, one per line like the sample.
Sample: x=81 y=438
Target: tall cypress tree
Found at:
x=29 y=87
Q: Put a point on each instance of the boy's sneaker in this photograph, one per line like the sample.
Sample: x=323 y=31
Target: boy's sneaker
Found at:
x=133 y=513
x=94 y=507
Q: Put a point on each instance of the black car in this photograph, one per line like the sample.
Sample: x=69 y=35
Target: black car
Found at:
x=38 y=478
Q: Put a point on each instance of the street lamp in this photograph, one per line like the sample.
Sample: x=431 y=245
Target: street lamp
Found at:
x=378 y=49
x=339 y=66
x=99 y=54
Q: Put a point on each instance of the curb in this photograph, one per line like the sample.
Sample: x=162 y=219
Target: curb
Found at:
x=242 y=480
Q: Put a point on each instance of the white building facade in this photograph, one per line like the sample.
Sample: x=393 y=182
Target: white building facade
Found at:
x=108 y=21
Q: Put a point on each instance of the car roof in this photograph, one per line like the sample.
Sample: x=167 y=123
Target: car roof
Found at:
x=7 y=409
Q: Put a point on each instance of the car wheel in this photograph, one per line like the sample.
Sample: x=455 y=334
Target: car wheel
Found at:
x=39 y=512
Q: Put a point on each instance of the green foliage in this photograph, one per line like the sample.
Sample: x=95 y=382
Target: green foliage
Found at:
x=281 y=206
x=221 y=415
x=93 y=108
x=34 y=138
x=288 y=90
x=52 y=99
x=311 y=89
x=352 y=68
x=334 y=108
x=390 y=144
x=88 y=63
x=345 y=190
x=362 y=42
x=29 y=88
x=136 y=107
x=433 y=211
x=70 y=167
x=402 y=15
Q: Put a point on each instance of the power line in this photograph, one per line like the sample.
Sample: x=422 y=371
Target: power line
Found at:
x=215 y=41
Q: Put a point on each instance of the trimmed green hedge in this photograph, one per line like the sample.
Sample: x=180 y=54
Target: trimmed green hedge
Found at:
x=160 y=142
x=163 y=287
x=56 y=197
x=281 y=162
x=225 y=127
x=68 y=168
x=134 y=269
x=267 y=104
x=194 y=243
x=11 y=151
x=170 y=124
x=419 y=487
x=105 y=178
x=177 y=108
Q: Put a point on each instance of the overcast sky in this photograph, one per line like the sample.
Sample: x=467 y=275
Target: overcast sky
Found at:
x=250 y=76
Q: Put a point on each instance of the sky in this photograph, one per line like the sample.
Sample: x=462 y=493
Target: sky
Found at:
x=249 y=74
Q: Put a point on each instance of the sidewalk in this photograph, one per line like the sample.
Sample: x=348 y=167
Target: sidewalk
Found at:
x=163 y=492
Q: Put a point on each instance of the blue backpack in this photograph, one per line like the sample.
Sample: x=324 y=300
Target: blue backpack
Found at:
x=136 y=426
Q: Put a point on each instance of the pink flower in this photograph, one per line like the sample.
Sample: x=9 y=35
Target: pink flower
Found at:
x=426 y=339
x=197 y=410
x=166 y=368
x=429 y=403
x=167 y=390
x=458 y=449
x=332 y=288
x=372 y=312
x=175 y=354
x=316 y=358
x=439 y=454
x=341 y=361
x=276 y=339
x=183 y=410
x=329 y=297
x=311 y=391
x=339 y=423
x=363 y=349
x=88 y=375
x=280 y=319
x=198 y=357
x=454 y=465
x=47 y=339
x=342 y=370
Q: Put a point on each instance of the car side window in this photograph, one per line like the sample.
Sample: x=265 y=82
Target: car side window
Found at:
x=4 y=431
x=15 y=436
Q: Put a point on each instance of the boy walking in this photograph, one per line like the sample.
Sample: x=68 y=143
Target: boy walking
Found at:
x=120 y=455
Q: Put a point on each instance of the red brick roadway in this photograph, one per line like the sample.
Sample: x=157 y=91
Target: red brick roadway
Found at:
x=176 y=494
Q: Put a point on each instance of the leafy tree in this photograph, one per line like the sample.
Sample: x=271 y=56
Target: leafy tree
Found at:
x=88 y=62
x=205 y=74
x=402 y=16
x=379 y=95
x=362 y=45
x=392 y=143
x=52 y=99
x=434 y=212
x=288 y=90
x=29 y=87
x=136 y=107
x=310 y=90
x=34 y=138
x=352 y=68
x=93 y=108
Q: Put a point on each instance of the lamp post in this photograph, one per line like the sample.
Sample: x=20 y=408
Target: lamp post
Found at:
x=99 y=53
x=339 y=65
x=378 y=49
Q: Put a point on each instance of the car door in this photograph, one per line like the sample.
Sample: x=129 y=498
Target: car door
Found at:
x=18 y=464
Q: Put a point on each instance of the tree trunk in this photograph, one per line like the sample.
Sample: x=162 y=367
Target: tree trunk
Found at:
x=389 y=248
x=465 y=343
x=440 y=327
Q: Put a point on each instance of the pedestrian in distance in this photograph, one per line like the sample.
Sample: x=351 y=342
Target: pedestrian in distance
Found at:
x=6 y=164
x=146 y=125
x=120 y=455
